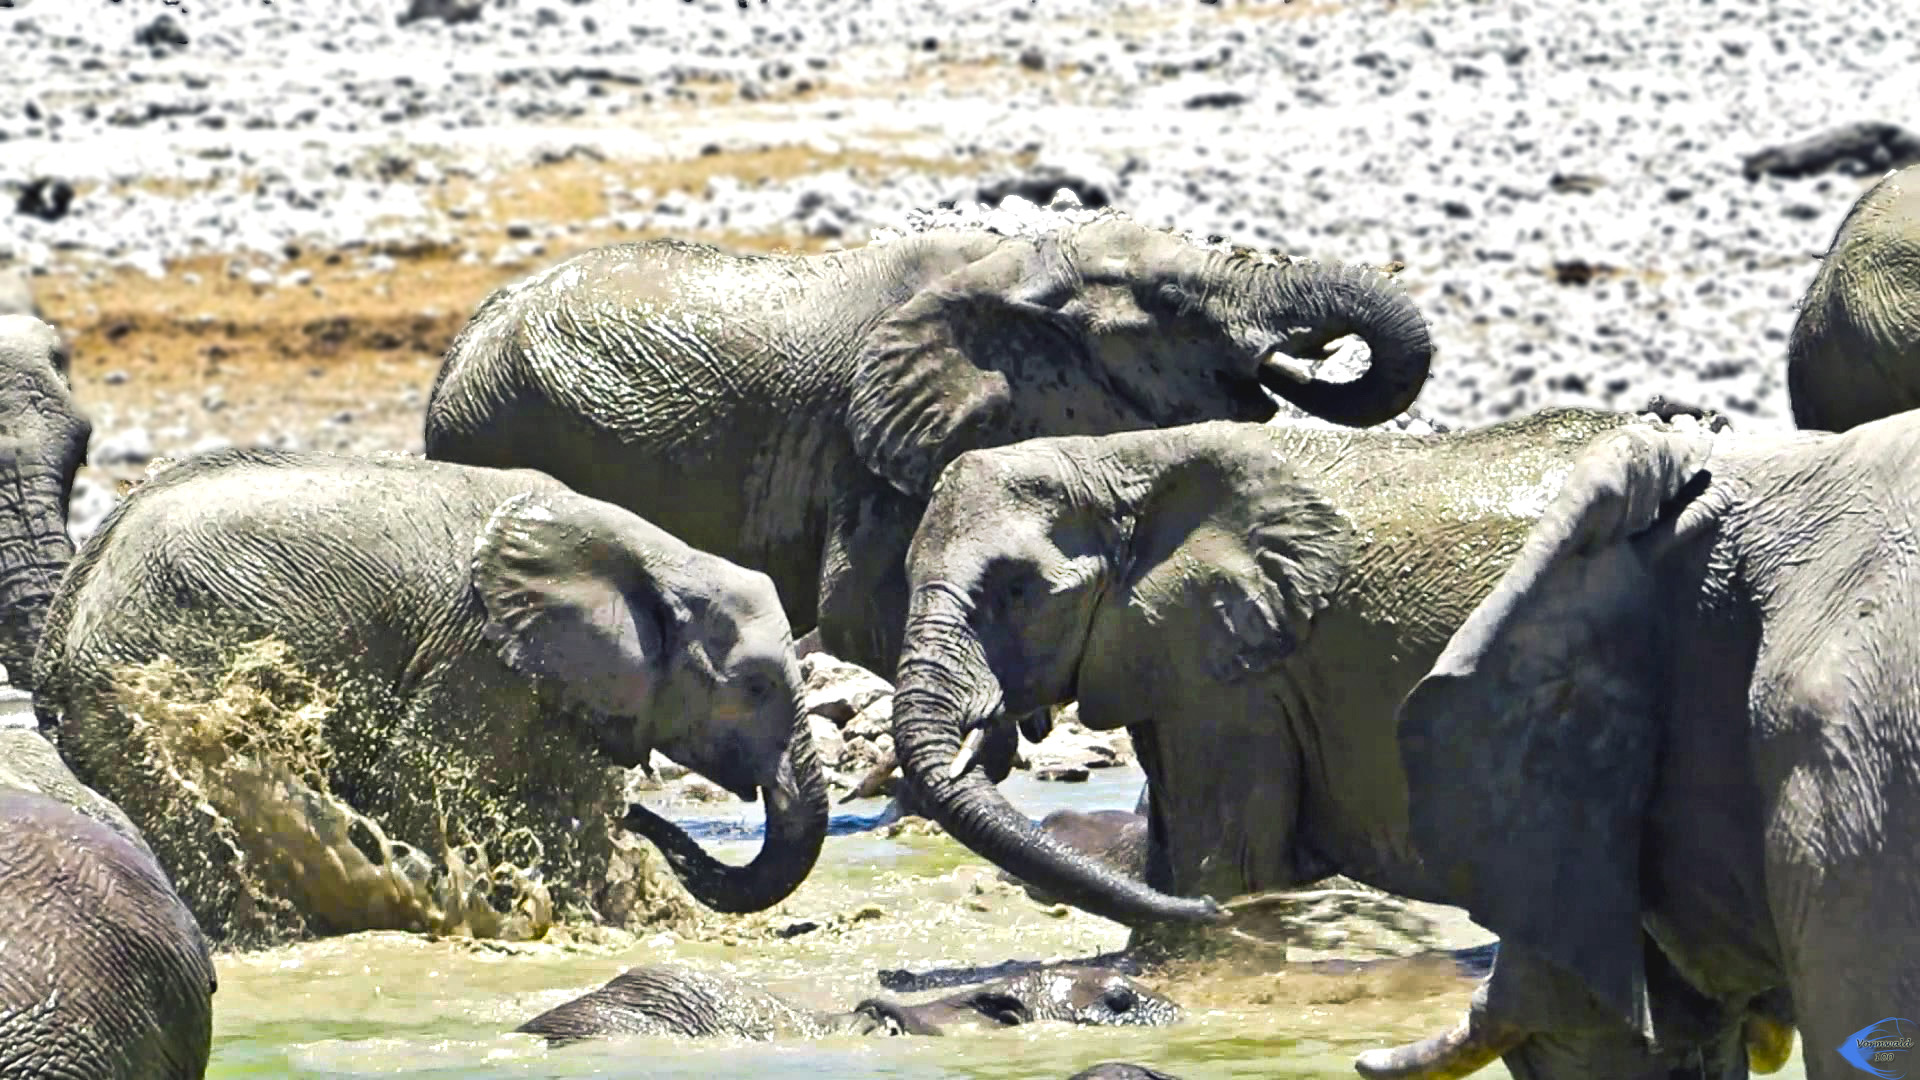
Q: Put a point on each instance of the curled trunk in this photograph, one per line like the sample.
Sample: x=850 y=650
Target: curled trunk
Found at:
x=944 y=685
x=1313 y=305
x=796 y=828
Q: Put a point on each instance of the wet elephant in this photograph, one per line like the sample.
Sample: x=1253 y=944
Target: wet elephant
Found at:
x=491 y=644
x=43 y=442
x=1250 y=602
x=106 y=974
x=1700 y=674
x=1854 y=353
x=811 y=401
x=672 y=1000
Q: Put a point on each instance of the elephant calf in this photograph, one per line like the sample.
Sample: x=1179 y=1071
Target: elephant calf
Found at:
x=1115 y=837
x=466 y=652
x=671 y=1000
x=103 y=973
x=1854 y=354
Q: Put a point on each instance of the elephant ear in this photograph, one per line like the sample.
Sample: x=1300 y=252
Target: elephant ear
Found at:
x=1530 y=746
x=1229 y=536
x=569 y=601
x=920 y=397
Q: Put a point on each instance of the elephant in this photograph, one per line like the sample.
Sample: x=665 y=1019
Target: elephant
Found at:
x=1121 y=1070
x=43 y=441
x=1854 y=352
x=106 y=974
x=1115 y=837
x=667 y=999
x=1698 y=674
x=479 y=646
x=811 y=401
x=1250 y=602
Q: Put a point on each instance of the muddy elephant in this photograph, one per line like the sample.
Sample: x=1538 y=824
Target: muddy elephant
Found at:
x=1251 y=602
x=105 y=973
x=792 y=413
x=43 y=441
x=1699 y=675
x=1854 y=353
x=671 y=1000
x=428 y=671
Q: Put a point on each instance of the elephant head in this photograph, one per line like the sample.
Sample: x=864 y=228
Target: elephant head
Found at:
x=1139 y=571
x=1112 y=326
x=43 y=440
x=1536 y=734
x=1068 y=994
x=662 y=647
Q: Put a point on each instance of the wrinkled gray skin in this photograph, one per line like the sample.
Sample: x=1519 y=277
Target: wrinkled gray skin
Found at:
x=106 y=974
x=792 y=413
x=1854 y=354
x=1250 y=602
x=43 y=441
x=1115 y=837
x=671 y=1000
x=1701 y=670
x=526 y=625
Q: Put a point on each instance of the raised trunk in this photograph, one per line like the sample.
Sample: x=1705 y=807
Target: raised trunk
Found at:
x=796 y=828
x=944 y=685
x=34 y=552
x=1317 y=304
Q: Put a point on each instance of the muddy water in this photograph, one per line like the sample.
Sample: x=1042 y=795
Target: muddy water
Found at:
x=398 y=1004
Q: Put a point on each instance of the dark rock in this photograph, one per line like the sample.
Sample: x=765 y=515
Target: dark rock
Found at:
x=1094 y=188
x=451 y=12
x=162 y=34
x=45 y=198
x=1862 y=149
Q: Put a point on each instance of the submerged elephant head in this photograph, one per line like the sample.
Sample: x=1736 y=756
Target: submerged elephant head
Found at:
x=1066 y=994
x=1139 y=573
x=1112 y=326
x=43 y=441
x=663 y=647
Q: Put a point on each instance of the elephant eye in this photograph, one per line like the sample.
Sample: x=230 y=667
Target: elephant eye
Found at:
x=759 y=687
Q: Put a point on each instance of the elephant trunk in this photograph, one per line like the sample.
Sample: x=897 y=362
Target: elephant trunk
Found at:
x=796 y=807
x=945 y=684
x=1476 y=1042
x=1301 y=307
x=33 y=510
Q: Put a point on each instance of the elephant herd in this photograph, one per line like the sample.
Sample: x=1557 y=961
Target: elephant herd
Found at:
x=1640 y=692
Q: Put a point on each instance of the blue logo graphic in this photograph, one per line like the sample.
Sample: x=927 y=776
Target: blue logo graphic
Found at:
x=1880 y=1048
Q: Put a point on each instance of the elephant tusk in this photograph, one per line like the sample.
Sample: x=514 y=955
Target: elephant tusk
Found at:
x=969 y=749
x=1458 y=1053
x=1284 y=368
x=1769 y=1043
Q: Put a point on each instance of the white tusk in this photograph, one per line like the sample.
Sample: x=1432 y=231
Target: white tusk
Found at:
x=969 y=749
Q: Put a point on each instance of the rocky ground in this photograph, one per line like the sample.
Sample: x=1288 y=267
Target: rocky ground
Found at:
x=262 y=221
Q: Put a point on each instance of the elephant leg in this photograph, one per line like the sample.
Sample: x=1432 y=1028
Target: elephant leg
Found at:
x=863 y=570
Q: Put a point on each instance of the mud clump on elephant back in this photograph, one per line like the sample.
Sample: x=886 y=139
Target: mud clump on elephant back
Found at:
x=236 y=782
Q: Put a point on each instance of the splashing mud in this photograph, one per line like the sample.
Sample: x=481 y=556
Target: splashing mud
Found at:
x=255 y=789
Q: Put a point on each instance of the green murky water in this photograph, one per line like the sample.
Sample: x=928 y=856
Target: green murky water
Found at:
x=391 y=1004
